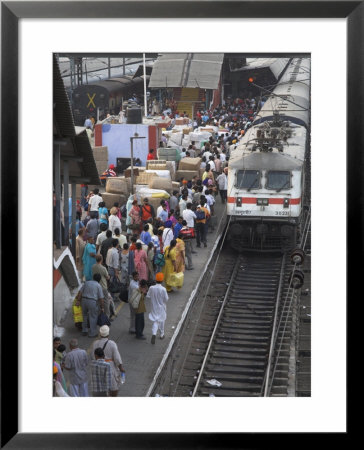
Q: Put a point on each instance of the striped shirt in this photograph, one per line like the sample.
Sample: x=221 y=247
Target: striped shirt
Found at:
x=100 y=376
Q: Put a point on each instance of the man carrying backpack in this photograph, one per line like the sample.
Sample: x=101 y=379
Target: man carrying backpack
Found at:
x=202 y=215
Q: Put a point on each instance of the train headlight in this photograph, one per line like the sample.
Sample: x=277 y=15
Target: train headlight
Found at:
x=238 y=201
x=262 y=201
x=285 y=202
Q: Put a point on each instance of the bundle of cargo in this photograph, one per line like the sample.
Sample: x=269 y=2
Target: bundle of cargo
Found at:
x=171 y=166
x=117 y=185
x=145 y=177
x=156 y=164
x=161 y=183
x=186 y=141
x=175 y=138
x=100 y=153
x=154 y=196
x=110 y=199
x=190 y=164
x=186 y=174
x=175 y=186
x=101 y=157
x=209 y=129
x=180 y=121
x=168 y=154
x=101 y=166
x=199 y=136
x=161 y=173
x=127 y=172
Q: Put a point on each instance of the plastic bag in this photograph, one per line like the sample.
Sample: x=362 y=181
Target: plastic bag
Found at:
x=176 y=279
x=77 y=313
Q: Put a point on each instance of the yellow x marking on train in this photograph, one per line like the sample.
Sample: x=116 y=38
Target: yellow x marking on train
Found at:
x=91 y=100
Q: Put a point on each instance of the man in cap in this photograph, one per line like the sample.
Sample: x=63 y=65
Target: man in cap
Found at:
x=112 y=356
x=158 y=313
x=110 y=172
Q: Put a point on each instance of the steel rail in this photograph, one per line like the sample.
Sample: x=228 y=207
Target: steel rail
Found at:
x=274 y=329
x=202 y=304
x=284 y=329
x=215 y=328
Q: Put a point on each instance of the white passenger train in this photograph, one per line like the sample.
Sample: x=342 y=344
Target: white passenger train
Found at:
x=266 y=178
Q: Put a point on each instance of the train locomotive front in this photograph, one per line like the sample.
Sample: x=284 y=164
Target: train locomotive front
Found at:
x=266 y=178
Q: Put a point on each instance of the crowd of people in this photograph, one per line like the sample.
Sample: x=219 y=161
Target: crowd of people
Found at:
x=139 y=254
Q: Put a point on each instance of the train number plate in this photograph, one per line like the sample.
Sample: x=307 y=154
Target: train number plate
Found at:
x=281 y=213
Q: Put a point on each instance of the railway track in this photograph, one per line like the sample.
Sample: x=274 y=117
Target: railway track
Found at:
x=237 y=340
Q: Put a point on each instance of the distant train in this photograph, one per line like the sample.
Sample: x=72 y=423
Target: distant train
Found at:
x=266 y=178
x=106 y=96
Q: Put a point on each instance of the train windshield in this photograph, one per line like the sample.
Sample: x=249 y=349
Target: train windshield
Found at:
x=278 y=179
x=248 y=179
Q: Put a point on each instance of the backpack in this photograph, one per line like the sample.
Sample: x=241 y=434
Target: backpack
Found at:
x=200 y=215
x=159 y=260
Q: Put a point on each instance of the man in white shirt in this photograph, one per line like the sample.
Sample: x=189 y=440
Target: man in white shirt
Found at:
x=158 y=310
x=93 y=204
x=101 y=236
x=167 y=235
x=189 y=216
x=212 y=164
x=112 y=259
x=182 y=204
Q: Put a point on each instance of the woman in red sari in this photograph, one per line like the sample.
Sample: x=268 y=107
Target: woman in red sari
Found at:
x=141 y=262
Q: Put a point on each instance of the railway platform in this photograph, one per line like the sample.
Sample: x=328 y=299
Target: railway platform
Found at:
x=141 y=359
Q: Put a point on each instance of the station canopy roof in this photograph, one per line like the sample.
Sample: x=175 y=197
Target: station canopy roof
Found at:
x=191 y=70
x=276 y=65
x=101 y=67
x=74 y=143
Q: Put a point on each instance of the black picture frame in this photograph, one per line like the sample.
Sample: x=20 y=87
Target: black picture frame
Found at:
x=11 y=12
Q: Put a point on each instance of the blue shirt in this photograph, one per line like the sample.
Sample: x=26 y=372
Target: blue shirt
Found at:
x=146 y=237
x=103 y=215
x=163 y=215
x=177 y=229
